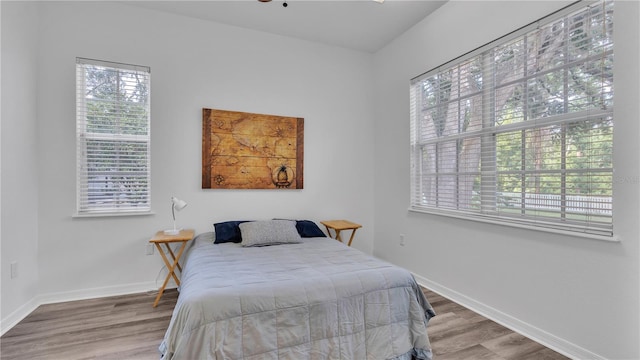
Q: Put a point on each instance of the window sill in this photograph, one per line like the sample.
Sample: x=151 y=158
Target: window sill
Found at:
x=111 y=214
x=612 y=239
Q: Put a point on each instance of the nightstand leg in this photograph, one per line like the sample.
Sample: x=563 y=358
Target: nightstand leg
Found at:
x=176 y=263
x=351 y=238
x=336 y=231
x=173 y=256
x=168 y=264
x=170 y=267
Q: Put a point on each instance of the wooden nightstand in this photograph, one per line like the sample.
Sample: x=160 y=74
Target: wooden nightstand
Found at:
x=339 y=225
x=161 y=238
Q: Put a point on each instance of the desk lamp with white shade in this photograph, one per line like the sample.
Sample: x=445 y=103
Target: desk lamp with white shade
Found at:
x=176 y=204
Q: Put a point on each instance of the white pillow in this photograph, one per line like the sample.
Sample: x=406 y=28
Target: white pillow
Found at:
x=269 y=232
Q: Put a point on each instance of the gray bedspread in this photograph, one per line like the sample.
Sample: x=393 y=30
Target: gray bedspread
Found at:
x=315 y=300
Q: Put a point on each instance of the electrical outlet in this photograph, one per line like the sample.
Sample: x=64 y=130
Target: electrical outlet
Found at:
x=149 y=249
x=401 y=239
x=14 y=270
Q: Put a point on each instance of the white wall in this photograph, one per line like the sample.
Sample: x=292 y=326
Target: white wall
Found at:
x=19 y=230
x=194 y=64
x=579 y=296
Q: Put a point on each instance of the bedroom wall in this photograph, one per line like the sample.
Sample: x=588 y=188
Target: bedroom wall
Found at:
x=578 y=296
x=18 y=149
x=194 y=64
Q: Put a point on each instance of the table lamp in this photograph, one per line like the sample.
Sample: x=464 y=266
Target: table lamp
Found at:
x=176 y=204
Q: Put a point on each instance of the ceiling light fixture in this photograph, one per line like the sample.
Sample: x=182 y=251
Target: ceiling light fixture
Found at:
x=284 y=4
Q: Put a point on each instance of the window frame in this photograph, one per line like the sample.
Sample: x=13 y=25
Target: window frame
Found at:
x=488 y=171
x=115 y=137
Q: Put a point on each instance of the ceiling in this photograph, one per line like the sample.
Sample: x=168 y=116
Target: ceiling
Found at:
x=362 y=25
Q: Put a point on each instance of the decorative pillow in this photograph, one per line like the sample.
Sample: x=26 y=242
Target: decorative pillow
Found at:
x=307 y=228
x=228 y=231
x=269 y=232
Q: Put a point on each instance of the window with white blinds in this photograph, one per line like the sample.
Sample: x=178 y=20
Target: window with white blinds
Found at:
x=112 y=137
x=520 y=131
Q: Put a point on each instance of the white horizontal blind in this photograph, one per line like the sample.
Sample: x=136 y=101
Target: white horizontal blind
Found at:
x=112 y=137
x=521 y=131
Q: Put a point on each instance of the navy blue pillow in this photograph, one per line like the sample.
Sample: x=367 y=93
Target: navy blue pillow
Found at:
x=307 y=228
x=228 y=231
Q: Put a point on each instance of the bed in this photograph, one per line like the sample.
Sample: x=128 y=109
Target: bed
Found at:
x=280 y=295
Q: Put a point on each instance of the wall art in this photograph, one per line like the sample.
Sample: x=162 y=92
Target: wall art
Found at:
x=243 y=150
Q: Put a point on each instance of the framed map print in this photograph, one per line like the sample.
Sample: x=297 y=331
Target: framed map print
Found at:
x=251 y=151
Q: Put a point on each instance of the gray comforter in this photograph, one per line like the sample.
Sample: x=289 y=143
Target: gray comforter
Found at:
x=315 y=300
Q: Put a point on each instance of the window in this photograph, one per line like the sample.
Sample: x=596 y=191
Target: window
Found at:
x=520 y=131
x=112 y=138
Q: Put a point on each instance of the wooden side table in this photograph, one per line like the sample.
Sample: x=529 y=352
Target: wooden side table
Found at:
x=161 y=238
x=339 y=225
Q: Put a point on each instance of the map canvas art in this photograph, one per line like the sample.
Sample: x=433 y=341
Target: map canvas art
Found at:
x=251 y=151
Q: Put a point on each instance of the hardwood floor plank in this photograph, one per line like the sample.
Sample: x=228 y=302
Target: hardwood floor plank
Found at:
x=512 y=346
x=544 y=354
x=128 y=327
x=476 y=352
x=472 y=333
x=442 y=322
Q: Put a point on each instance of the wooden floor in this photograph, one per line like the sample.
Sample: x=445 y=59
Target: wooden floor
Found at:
x=128 y=327
x=457 y=333
x=119 y=327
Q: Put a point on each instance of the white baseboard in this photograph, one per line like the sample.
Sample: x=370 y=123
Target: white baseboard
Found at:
x=538 y=335
x=15 y=317
x=93 y=293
